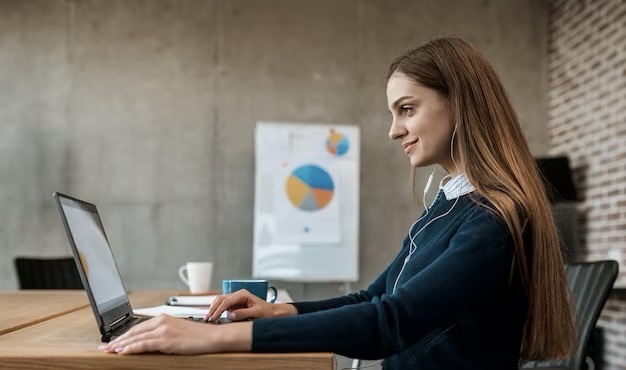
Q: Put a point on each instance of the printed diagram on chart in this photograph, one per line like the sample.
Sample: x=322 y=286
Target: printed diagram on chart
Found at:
x=337 y=144
x=307 y=204
x=309 y=188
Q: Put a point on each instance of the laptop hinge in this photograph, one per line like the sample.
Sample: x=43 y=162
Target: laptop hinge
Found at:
x=117 y=321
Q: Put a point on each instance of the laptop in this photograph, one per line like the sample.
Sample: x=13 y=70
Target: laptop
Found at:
x=97 y=268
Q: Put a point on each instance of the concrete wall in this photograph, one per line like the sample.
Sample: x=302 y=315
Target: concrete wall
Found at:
x=147 y=108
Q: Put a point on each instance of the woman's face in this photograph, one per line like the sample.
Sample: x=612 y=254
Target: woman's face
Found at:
x=421 y=121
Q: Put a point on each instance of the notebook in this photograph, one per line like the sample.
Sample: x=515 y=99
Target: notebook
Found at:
x=97 y=268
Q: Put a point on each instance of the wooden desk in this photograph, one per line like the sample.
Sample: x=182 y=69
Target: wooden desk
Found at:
x=70 y=342
x=19 y=309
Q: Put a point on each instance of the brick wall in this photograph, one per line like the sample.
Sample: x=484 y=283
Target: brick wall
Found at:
x=587 y=121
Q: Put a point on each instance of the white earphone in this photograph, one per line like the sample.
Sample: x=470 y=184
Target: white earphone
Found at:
x=413 y=247
x=430 y=181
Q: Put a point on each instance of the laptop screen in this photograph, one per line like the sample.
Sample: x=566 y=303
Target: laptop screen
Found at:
x=95 y=255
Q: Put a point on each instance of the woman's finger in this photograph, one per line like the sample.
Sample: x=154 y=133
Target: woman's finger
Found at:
x=244 y=313
x=214 y=305
x=119 y=345
x=143 y=327
x=147 y=345
x=235 y=299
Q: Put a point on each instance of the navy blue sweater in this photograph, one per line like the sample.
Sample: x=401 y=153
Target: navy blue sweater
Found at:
x=455 y=305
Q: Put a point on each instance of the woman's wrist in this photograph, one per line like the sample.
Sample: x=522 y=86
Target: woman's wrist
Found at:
x=283 y=309
x=232 y=337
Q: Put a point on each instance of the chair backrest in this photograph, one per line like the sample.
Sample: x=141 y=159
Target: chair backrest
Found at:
x=590 y=284
x=47 y=273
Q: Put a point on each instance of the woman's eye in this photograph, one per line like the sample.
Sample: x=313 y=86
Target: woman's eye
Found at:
x=406 y=109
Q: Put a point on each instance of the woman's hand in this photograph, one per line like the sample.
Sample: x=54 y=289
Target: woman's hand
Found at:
x=244 y=305
x=172 y=335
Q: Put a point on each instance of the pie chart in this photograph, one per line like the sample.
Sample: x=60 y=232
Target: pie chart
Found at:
x=337 y=143
x=310 y=188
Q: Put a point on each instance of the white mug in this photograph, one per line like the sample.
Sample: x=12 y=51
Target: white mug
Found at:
x=198 y=277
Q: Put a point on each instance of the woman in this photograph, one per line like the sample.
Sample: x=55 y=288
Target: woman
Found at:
x=479 y=281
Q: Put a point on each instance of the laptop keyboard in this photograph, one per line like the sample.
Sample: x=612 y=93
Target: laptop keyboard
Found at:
x=134 y=321
x=196 y=319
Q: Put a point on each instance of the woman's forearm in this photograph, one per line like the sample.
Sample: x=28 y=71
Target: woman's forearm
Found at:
x=237 y=336
x=284 y=309
x=233 y=337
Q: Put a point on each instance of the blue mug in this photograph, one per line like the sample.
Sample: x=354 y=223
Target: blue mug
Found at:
x=259 y=288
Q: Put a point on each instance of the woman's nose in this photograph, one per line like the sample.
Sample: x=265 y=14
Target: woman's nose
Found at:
x=396 y=131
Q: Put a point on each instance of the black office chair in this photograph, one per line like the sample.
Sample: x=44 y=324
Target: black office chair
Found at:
x=47 y=273
x=590 y=284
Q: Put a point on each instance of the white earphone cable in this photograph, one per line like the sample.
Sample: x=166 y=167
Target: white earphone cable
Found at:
x=412 y=246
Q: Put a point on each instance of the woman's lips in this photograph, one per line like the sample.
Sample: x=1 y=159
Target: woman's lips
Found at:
x=409 y=146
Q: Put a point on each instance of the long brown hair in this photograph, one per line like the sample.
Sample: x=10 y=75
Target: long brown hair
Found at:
x=496 y=159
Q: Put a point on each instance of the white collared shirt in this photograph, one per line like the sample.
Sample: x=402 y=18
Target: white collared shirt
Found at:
x=454 y=187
